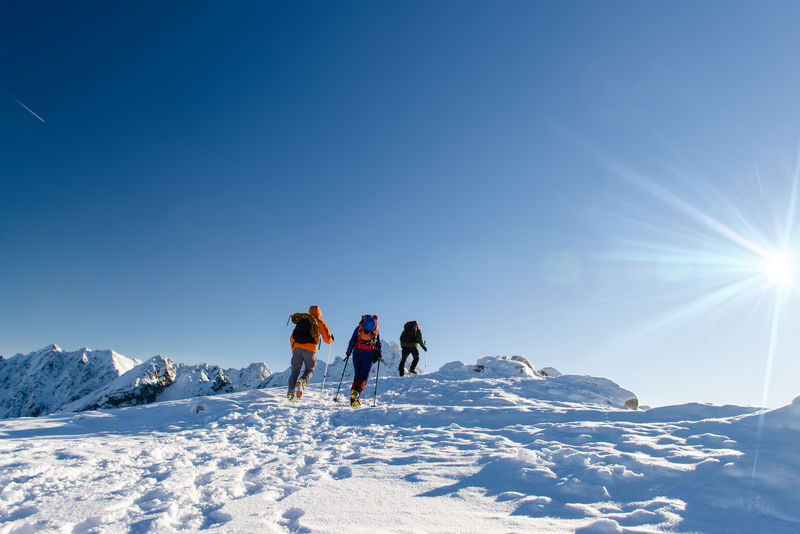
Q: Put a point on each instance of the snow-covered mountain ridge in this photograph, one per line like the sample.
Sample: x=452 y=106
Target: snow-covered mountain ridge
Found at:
x=44 y=380
x=51 y=379
x=55 y=380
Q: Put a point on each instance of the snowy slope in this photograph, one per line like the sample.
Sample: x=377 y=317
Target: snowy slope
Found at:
x=437 y=454
x=43 y=381
x=550 y=385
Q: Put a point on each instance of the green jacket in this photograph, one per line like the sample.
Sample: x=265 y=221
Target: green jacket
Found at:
x=417 y=341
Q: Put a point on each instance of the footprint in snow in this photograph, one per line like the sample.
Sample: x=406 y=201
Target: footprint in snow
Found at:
x=510 y=496
x=293 y=514
x=291 y=519
x=342 y=473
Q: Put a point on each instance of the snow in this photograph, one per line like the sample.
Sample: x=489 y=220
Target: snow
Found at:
x=250 y=377
x=161 y=379
x=51 y=379
x=457 y=450
x=44 y=380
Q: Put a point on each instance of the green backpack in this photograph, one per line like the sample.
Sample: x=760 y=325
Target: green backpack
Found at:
x=409 y=335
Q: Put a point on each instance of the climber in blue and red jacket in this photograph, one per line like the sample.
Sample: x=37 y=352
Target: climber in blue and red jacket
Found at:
x=365 y=346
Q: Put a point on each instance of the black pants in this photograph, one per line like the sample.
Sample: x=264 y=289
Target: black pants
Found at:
x=406 y=351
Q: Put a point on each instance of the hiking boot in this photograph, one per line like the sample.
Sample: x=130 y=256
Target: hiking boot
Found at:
x=355 y=397
x=402 y=371
x=413 y=372
x=290 y=395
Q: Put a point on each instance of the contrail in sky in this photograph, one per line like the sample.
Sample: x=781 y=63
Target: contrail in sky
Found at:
x=30 y=111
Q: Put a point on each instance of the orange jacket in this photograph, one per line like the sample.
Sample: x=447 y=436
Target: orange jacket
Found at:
x=323 y=330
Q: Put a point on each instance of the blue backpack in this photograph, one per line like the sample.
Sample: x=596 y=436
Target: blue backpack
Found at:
x=367 y=332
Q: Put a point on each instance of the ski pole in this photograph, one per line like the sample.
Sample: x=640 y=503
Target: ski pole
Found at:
x=336 y=397
x=377 y=372
x=322 y=392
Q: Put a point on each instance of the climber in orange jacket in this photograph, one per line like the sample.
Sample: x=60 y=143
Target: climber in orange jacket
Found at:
x=304 y=342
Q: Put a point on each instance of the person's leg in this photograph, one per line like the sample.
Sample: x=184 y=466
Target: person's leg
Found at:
x=362 y=363
x=367 y=366
x=404 y=355
x=356 y=371
x=359 y=380
x=310 y=361
x=415 y=361
x=297 y=364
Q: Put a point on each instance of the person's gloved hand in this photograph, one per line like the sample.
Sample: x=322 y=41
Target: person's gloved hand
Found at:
x=331 y=338
x=377 y=356
x=347 y=354
x=425 y=349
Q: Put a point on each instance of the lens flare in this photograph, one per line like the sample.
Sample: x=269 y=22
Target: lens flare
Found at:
x=731 y=255
x=710 y=257
x=780 y=271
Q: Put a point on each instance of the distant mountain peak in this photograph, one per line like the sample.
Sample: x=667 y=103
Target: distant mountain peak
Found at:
x=49 y=348
x=41 y=382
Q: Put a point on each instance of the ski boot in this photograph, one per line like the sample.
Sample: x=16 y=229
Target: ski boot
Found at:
x=355 y=397
x=301 y=384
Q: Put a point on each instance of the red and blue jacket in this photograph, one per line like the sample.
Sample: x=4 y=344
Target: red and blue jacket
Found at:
x=356 y=346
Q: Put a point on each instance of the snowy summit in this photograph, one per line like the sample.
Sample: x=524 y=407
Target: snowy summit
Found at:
x=495 y=446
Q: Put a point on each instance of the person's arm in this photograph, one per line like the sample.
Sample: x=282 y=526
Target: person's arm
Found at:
x=352 y=343
x=377 y=349
x=420 y=341
x=326 y=334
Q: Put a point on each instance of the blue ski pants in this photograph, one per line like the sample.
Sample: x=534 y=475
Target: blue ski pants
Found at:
x=362 y=363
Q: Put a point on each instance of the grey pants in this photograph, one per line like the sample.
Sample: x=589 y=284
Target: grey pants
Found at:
x=300 y=357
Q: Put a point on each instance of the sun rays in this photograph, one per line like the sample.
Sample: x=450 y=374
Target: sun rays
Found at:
x=715 y=259
x=695 y=256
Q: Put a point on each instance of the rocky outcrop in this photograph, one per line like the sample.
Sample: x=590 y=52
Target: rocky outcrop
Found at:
x=141 y=385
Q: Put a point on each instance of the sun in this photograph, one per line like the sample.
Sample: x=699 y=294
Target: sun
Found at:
x=779 y=269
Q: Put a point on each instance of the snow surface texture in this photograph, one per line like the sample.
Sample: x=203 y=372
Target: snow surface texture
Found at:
x=452 y=451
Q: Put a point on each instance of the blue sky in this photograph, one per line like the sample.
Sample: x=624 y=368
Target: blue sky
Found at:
x=205 y=170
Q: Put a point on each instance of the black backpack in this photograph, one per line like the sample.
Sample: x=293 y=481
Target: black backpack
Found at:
x=409 y=335
x=304 y=330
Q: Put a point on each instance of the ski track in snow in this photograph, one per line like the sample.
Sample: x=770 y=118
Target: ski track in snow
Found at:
x=433 y=456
